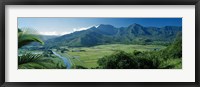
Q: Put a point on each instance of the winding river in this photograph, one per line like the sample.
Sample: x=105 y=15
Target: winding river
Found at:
x=66 y=60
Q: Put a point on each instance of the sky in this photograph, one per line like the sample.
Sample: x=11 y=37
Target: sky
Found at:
x=61 y=26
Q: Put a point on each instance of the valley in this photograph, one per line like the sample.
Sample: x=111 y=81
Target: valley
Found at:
x=103 y=47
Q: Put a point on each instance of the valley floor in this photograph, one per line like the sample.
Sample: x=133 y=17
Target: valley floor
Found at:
x=88 y=56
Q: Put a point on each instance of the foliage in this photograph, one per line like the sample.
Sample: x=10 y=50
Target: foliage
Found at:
x=24 y=38
x=79 y=67
x=28 y=57
x=118 y=60
x=168 y=58
x=135 y=60
x=48 y=64
x=34 y=61
x=38 y=61
x=175 y=50
x=47 y=53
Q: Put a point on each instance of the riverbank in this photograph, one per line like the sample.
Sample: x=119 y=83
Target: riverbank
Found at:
x=66 y=60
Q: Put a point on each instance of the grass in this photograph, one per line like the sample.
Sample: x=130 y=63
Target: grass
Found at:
x=89 y=56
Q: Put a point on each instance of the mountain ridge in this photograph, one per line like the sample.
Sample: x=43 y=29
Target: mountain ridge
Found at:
x=108 y=34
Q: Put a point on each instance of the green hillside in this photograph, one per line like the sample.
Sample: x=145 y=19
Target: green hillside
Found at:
x=108 y=34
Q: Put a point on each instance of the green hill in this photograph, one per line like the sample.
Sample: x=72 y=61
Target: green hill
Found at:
x=108 y=34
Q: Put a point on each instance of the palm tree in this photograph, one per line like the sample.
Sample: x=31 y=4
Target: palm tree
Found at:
x=24 y=38
x=26 y=60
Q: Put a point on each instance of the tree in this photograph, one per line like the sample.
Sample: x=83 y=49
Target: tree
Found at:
x=168 y=58
x=118 y=60
x=24 y=38
x=175 y=49
x=29 y=60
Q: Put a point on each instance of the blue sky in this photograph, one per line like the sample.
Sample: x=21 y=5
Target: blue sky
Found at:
x=60 y=26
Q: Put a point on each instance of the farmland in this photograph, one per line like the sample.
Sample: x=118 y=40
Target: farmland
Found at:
x=88 y=56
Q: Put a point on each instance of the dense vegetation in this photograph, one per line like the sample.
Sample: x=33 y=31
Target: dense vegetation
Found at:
x=167 y=58
x=28 y=60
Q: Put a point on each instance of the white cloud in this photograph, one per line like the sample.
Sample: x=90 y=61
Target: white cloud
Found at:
x=49 y=33
x=54 y=33
x=80 y=29
x=63 y=33
x=84 y=28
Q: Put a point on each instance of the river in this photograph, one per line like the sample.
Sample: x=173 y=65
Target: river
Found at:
x=66 y=60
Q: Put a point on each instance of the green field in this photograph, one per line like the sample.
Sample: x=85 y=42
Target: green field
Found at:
x=88 y=56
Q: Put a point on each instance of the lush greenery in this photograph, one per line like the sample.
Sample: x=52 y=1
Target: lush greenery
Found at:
x=40 y=62
x=28 y=60
x=24 y=38
x=167 y=58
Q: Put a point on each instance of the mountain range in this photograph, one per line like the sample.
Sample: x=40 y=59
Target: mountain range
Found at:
x=108 y=34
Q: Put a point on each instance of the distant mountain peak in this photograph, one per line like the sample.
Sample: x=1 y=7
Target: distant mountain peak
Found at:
x=96 y=26
x=102 y=26
x=135 y=24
